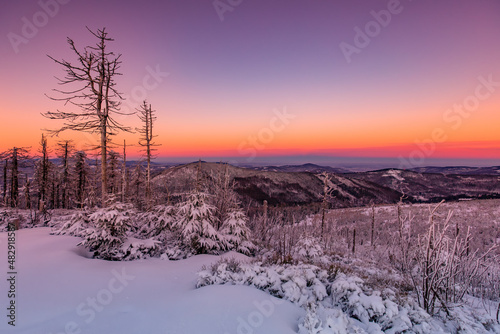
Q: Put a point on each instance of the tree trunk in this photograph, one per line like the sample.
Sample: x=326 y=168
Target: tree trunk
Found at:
x=65 y=201
x=124 y=172
x=14 y=189
x=5 y=168
x=373 y=227
x=104 y=174
x=149 y=125
x=354 y=241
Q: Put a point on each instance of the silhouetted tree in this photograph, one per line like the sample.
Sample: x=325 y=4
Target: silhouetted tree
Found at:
x=81 y=176
x=137 y=183
x=27 y=192
x=42 y=173
x=4 y=190
x=125 y=175
x=97 y=99
x=15 y=155
x=147 y=117
x=65 y=149
x=113 y=172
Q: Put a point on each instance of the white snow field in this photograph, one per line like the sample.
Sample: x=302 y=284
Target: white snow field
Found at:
x=60 y=289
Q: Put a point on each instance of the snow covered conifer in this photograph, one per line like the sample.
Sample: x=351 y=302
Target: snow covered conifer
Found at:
x=311 y=323
x=196 y=225
x=236 y=233
x=308 y=249
x=111 y=225
x=157 y=221
x=76 y=226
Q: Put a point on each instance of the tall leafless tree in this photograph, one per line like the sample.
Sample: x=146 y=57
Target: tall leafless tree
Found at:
x=65 y=149
x=15 y=155
x=81 y=171
x=137 y=183
x=91 y=82
x=42 y=173
x=113 y=172
x=147 y=117
x=125 y=174
x=4 y=185
x=324 y=206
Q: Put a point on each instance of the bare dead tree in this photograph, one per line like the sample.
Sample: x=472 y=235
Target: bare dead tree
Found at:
x=137 y=183
x=65 y=149
x=114 y=176
x=27 y=193
x=199 y=177
x=5 y=169
x=353 y=241
x=93 y=92
x=125 y=179
x=372 y=241
x=81 y=175
x=15 y=155
x=42 y=173
x=498 y=313
x=444 y=270
x=147 y=117
x=326 y=196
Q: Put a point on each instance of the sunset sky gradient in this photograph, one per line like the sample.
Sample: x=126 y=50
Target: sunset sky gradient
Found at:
x=229 y=78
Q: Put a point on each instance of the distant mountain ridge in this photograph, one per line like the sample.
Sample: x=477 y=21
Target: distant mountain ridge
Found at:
x=460 y=170
x=430 y=187
x=303 y=184
x=314 y=168
x=308 y=167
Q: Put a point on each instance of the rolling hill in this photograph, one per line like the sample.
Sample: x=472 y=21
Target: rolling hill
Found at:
x=302 y=185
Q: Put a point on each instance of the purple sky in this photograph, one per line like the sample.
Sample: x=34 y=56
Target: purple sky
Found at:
x=227 y=76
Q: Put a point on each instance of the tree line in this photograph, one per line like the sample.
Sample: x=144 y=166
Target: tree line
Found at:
x=91 y=104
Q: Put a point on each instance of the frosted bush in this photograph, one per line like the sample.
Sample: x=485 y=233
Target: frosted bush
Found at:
x=311 y=324
x=308 y=249
x=342 y=305
x=298 y=283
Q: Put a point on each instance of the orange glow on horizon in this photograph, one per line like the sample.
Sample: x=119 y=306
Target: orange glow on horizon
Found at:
x=349 y=134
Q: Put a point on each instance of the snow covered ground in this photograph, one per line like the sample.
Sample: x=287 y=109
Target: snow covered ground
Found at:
x=60 y=289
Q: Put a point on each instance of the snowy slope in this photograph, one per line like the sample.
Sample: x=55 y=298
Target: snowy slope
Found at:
x=61 y=290
x=279 y=187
